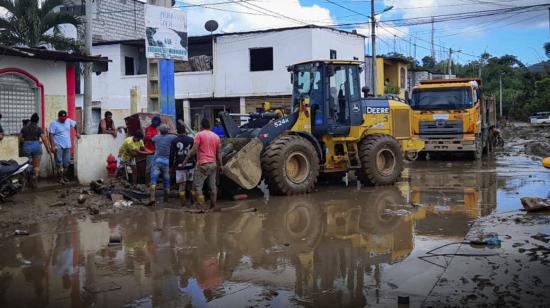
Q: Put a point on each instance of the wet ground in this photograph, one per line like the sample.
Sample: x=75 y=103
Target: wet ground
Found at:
x=343 y=245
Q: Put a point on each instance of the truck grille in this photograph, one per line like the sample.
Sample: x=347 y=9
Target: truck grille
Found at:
x=440 y=128
x=401 y=123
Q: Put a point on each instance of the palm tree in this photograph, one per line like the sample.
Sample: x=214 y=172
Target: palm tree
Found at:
x=26 y=23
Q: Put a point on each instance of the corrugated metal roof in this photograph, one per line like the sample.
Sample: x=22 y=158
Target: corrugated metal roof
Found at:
x=45 y=54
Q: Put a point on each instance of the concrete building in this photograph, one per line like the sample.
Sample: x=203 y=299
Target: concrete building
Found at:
x=391 y=75
x=235 y=72
x=112 y=19
x=417 y=75
x=35 y=80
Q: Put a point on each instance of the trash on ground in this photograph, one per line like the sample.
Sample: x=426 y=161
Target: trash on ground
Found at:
x=82 y=198
x=114 y=240
x=117 y=197
x=122 y=203
x=59 y=203
x=535 y=204
x=21 y=232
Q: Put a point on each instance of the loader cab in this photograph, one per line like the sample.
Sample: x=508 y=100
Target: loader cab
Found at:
x=333 y=89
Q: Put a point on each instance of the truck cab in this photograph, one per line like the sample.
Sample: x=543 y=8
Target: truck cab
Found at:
x=452 y=115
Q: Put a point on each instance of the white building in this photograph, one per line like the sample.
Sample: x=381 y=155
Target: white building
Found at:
x=235 y=72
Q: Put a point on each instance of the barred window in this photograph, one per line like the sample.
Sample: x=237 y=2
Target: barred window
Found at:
x=18 y=101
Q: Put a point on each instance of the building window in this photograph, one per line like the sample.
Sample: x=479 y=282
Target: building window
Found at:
x=332 y=54
x=19 y=99
x=261 y=59
x=128 y=66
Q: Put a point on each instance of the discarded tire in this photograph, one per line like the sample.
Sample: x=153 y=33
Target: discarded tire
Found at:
x=290 y=166
x=381 y=160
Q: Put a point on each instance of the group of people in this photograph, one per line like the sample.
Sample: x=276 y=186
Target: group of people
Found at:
x=57 y=141
x=189 y=160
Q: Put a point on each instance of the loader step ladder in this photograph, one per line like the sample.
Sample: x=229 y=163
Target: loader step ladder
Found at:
x=353 y=157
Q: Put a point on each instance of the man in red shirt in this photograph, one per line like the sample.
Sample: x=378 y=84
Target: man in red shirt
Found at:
x=207 y=147
x=150 y=132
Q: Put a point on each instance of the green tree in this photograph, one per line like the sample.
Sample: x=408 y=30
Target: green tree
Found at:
x=26 y=23
x=428 y=62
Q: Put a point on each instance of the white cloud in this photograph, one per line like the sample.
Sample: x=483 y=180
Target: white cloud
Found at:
x=424 y=8
x=254 y=15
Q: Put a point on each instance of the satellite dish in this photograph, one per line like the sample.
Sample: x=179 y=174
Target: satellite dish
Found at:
x=211 y=26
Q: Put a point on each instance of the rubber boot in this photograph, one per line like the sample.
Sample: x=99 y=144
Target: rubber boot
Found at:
x=199 y=198
x=60 y=175
x=65 y=176
x=152 y=195
x=166 y=194
x=181 y=196
x=213 y=199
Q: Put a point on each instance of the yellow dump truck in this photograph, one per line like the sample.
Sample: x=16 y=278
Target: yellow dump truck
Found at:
x=453 y=115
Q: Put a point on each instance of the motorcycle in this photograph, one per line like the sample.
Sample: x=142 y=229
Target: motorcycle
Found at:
x=12 y=175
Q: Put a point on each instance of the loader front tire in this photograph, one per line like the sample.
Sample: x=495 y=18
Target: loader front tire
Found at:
x=290 y=166
x=381 y=160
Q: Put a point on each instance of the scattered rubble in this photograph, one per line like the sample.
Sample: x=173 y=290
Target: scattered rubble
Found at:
x=535 y=204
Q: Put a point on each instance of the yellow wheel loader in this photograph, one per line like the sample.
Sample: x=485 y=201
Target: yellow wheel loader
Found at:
x=331 y=129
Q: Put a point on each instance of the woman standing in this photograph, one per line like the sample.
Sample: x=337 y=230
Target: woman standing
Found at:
x=30 y=136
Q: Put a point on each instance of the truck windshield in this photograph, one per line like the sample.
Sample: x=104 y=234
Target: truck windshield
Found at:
x=442 y=98
x=307 y=83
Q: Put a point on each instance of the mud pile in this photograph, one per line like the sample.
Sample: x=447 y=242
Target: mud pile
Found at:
x=522 y=138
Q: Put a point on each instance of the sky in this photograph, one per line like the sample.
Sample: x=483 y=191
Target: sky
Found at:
x=520 y=34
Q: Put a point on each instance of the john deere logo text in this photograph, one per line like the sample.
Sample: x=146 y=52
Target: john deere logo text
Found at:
x=378 y=110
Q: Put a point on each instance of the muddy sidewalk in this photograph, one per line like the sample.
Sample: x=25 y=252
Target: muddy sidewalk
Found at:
x=513 y=275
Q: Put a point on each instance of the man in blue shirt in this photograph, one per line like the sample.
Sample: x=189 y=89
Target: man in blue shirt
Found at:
x=161 y=162
x=60 y=140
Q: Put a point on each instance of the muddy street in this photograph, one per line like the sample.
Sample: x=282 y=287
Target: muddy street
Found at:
x=343 y=245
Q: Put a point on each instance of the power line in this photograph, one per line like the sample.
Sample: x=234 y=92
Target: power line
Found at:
x=274 y=14
x=455 y=16
x=347 y=9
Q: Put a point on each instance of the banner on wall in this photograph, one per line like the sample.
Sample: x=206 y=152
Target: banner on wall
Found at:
x=165 y=33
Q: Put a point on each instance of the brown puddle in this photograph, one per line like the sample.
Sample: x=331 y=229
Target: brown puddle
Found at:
x=340 y=246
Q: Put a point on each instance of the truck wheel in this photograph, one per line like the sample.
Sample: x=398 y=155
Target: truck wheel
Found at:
x=478 y=153
x=381 y=160
x=290 y=166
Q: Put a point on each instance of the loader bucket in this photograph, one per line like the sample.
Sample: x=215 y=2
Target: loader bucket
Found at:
x=242 y=163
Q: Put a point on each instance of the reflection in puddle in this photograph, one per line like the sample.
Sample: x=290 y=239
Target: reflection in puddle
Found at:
x=337 y=247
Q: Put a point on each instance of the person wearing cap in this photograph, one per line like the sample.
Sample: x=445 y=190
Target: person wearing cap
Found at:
x=130 y=148
x=161 y=161
x=207 y=149
x=30 y=137
x=60 y=140
x=150 y=132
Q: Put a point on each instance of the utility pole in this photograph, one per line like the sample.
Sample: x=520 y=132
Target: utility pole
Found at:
x=87 y=110
x=449 y=63
x=373 y=37
x=394 y=38
x=433 y=38
x=500 y=92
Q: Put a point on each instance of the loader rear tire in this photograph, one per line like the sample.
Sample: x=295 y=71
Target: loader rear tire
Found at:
x=290 y=166
x=381 y=160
